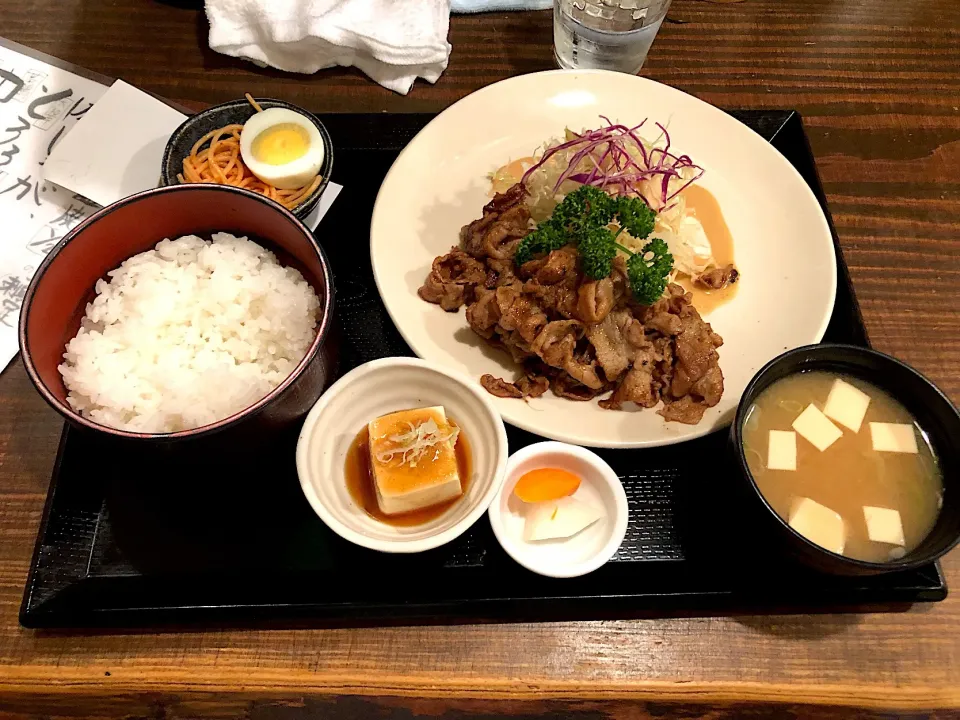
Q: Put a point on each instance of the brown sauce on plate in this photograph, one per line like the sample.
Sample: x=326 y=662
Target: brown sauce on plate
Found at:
x=359 y=475
x=707 y=210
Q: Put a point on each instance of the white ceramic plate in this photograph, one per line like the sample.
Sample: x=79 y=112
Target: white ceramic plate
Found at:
x=782 y=243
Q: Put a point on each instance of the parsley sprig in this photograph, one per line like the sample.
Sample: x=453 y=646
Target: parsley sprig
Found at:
x=581 y=219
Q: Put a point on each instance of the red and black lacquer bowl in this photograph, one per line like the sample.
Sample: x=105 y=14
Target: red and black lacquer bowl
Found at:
x=63 y=285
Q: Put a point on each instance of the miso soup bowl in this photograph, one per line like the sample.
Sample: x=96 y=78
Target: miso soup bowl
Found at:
x=56 y=299
x=933 y=411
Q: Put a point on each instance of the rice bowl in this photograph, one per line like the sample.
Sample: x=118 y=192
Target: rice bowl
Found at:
x=55 y=302
x=188 y=333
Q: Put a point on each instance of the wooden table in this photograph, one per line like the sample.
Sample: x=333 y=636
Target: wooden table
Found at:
x=878 y=84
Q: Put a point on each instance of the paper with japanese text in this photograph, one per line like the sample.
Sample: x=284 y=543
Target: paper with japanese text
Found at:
x=39 y=104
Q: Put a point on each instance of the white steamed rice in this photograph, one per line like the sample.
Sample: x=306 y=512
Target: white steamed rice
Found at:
x=187 y=334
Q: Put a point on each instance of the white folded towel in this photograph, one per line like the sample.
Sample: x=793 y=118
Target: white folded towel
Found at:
x=392 y=41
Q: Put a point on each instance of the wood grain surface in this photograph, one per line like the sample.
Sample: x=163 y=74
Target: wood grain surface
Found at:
x=878 y=82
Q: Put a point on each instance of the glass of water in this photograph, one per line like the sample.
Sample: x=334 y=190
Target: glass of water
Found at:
x=605 y=34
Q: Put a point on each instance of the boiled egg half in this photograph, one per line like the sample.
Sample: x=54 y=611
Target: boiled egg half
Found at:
x=282 y=148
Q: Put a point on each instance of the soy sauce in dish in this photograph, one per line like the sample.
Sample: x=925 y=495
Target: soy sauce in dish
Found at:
x=360 y=483
x=850 y=478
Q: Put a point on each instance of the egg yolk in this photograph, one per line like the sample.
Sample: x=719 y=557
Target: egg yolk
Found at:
x=280 y=144
x=546 y=484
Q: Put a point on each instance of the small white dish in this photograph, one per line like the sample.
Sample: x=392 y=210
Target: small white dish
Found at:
x=378 y=388
x=588 y=549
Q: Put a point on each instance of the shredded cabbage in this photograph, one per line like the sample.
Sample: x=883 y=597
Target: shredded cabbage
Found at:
x=618 y=160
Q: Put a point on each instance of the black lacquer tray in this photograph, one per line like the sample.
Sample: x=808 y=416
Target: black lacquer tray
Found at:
x=142 y=541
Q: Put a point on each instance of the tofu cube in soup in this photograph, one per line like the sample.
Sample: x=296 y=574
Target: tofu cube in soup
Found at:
x=846 y=404
x=893 y=437
x=782 y=450
x=817 y=428
x=883 y=525
x=818 y=524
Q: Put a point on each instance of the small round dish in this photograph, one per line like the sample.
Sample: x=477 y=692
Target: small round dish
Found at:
x=239 y=111
x=587 y=550
x=376 y=389
x=934 y=413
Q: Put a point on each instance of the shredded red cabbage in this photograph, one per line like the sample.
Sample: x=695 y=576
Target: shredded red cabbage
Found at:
x=615 y=169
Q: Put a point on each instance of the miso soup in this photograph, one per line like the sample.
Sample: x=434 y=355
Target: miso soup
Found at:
x=845 y=464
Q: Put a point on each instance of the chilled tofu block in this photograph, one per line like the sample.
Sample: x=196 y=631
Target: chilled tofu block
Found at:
x=413 y=460
x=893 y=437
x=817 y=428
x=818 y=524
x=883 y=525
x=556 y=519
x=782 y=450
x=847 y=405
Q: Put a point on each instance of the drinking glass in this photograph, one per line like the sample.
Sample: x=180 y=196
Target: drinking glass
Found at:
x=606 y=34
